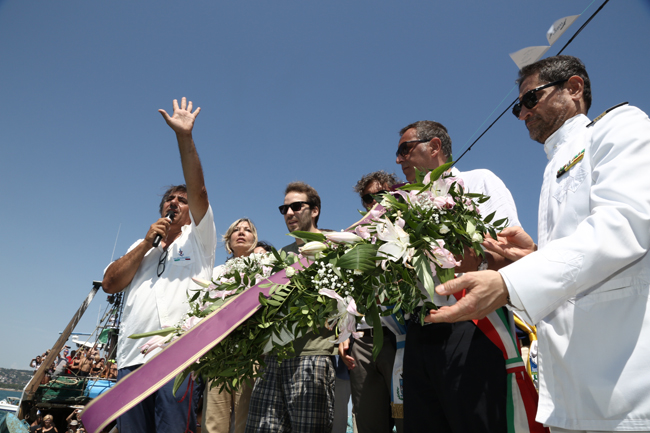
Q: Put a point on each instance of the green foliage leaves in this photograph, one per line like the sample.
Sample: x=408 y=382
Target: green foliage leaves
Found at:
x=362 y=257
x=308 y=236
x=424 y=225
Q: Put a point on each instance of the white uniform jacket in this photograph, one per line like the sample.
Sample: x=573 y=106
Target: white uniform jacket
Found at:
x=587 y=286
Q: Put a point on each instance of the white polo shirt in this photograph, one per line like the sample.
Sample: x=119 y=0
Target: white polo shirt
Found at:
x=152 y=302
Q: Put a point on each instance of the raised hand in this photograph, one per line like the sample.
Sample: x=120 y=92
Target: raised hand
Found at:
x=182 y=121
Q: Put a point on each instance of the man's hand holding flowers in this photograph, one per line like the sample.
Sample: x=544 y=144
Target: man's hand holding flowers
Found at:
x=512 y=243
x=483 y=296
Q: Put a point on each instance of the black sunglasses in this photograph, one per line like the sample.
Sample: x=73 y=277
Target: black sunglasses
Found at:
x=162 y=262
x=529 y=100
x=405 y=148
x=368 y=198
x=295 y=206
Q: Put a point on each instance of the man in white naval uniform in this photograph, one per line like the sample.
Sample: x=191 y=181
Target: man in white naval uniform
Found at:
x=587 y=286
x=454 y=376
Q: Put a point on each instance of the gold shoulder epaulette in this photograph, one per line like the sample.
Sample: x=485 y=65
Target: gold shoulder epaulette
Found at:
x=593 y=122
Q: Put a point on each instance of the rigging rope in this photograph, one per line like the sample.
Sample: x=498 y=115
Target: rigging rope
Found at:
x=513 y=102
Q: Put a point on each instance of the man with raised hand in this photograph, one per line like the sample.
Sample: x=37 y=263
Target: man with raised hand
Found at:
x=156 y=279
x=587 y=286
x=454 y=375
x=297 y=395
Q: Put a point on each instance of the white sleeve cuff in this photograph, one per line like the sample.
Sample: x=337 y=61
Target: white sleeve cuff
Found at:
x=515 y=302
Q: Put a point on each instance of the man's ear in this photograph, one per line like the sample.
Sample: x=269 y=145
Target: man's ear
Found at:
x=315 y=211
x=576 y=87
x=435 y=147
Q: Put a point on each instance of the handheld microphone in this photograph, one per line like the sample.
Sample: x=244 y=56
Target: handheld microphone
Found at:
x=170 y=216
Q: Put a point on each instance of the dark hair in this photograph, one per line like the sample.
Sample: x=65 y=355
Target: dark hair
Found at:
x=172 y=189
x=266 y=245
x=312 y=196
x=427 y=130
x=381 y=177
x=558 y=68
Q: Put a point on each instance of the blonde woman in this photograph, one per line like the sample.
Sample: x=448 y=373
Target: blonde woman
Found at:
x=221 y=410
x=48 y=425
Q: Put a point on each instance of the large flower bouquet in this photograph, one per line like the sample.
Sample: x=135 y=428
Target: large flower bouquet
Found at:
x=374 y=269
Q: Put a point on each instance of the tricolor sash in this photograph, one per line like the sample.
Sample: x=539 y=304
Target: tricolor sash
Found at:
x=521 y=404
x=176 y=357
x=397 y=392
x=396 y=383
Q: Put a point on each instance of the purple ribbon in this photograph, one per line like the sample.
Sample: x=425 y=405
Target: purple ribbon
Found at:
x=179 y=355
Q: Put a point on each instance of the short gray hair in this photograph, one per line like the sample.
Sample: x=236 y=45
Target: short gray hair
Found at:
x=427 y=130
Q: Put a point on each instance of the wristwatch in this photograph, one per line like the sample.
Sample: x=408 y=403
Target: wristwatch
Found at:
x=484 y=265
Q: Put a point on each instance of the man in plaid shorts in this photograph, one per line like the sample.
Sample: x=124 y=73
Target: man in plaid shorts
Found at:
x=298 y=394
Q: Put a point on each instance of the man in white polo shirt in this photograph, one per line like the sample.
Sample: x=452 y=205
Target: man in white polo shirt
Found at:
x=155 y=280
x=454 y=376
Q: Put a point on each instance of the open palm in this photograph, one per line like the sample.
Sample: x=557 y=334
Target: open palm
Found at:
x=182 y=121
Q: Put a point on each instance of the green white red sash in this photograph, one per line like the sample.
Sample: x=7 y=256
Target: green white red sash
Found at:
x=521 y=405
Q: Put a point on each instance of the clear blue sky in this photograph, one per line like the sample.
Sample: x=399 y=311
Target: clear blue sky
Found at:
x=289 y=90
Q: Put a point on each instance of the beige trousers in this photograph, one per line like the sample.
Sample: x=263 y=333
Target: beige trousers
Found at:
x=224 y=412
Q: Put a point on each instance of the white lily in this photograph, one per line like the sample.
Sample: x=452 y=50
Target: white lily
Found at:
x=442 y=256
x=376 y=214
x=439 y=187
x=397 y=246
x=214 y=294
x=154 y=343
x=362 y=231
x=471 y=230
x=311 y=249
x=347 y=309
x=343 y=237
x=190 y=323
x=201 y=282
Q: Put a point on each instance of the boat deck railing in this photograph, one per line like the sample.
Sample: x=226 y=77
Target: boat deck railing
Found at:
x=72 y=390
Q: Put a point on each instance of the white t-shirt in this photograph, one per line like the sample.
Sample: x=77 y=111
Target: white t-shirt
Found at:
x=152 y=302
x=485 y=182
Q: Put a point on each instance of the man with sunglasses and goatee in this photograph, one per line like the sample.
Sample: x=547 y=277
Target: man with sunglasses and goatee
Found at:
x=156 y=276
x=454 y=376
x=297 y=395
x=587 y=286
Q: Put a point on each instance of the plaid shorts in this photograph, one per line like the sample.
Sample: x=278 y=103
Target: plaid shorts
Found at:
x=295 y=396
